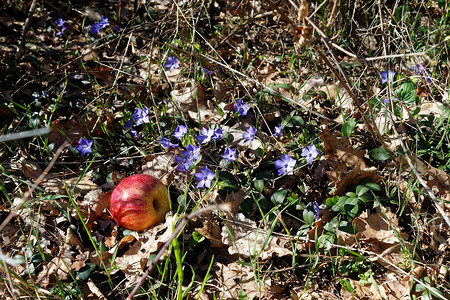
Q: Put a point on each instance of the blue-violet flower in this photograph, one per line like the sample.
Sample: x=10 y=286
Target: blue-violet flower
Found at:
x=217 y=134
x=204 y=178
x=310 y=153
x=205 y=135
x=250 y=134
x=171 y=63
x=140 y=116
x=241 y=108
x=384 y=76
x=165 y=142
x=277 y=130
x=285 y=165
x=180 y=131
x=229 y=155
x=84 y=146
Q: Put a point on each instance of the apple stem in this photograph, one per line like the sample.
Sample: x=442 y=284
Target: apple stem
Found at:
x=180 y=226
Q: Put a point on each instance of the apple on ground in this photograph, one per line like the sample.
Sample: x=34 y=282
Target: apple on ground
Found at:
x=139 y=202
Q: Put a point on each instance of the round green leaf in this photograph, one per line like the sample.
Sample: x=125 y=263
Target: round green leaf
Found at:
x=279 y=196
x=379 y=154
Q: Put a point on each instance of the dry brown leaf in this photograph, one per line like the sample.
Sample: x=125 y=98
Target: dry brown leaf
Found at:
x=212 y=231
x=388 y=288
x=190 y=99
x=428 y=108
x=235 y=277
x=235 y=199
x=382 y=235
x=133 y=261
x=245 y=238
x=54 y=184
x=345 y=165
x=160 y=166
x=375 y=226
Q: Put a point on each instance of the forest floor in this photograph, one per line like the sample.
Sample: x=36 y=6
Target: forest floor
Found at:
x=305 y=146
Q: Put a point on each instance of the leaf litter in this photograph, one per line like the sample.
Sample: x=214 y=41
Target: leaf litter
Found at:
x=238 y=238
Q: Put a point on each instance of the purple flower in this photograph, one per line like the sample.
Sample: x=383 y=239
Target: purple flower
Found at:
x=96 y=27
x=205 y=135
x=316 y=211
x=384 y=76
x=171 y=63
x=185 y=163
x=285 y=165
x=60 y=23
x=241 y=108
x=165 y=142
x=250 y=134
x=217 y=135
x=128 y=125
x=84 y=146
x=104 y=22
x=140 y=116
x=277 y=130
x=229 y=155
x=116 y=28
x=419 y=69
x=180 y=131
x=310 y=153
x=192 y=151
x=207 y=72
x=204 y=178
x=188 y=158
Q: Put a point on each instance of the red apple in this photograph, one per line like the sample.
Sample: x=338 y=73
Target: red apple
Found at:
x=139 y=202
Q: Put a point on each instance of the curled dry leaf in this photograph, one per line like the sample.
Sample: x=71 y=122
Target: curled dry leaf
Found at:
x=245 y=238
x=212 y=231
x=190 y=99
x=133 y=261
x=159 y=166
x=345 y=165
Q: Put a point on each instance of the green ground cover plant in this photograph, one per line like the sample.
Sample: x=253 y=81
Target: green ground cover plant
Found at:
x=304 y=145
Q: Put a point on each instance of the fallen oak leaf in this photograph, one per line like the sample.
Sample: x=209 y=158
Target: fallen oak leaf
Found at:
x=245 y=238
x=345 y=165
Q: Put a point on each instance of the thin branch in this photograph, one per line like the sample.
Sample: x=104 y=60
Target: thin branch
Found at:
x=24 y=29
x=27 y=195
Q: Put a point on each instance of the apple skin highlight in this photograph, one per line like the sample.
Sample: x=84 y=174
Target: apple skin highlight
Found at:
x=139 y=202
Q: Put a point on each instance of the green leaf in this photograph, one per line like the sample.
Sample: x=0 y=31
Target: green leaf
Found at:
x=348 y=127
x=351 y=208
x=18 y=260
x=308 y=216
x=373 y=186
x=227 y=181
x=332 y=201
x=347 y=285
x=264 y=175
x=85 y=271
x=298 y=121
x=407 y=93
x=379 y=154
x=263 y=203
x=242 y=295
x=279 y=196
x=259 y=185
x=360 y=190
